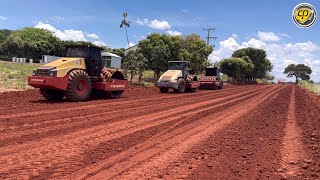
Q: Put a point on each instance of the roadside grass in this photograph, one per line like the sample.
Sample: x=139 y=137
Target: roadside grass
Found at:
x=147 y=79
x=264 y=81
x=14 y=75
x=318 y=86
x=315 y=88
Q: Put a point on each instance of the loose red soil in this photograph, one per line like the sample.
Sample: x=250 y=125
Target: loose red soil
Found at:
x=240 y=132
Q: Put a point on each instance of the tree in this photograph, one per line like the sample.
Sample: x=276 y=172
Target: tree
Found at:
x=4 y=33
x=269 y=77
x=118 y=51
x=130 y=63
x=34 y=42
x=141 y=65
x=196 y=51
x=135 y=63
x=31 y=43
x=125 y=24
x=300 y=71
x=158 y=49
x=236 y=68
x=155 y=49
x=262 y=65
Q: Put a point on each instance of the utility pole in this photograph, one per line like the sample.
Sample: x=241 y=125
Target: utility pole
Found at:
x=209 y=37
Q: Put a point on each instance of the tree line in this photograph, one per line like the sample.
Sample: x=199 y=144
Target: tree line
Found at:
x=247 y=65
x=32 y=43
x=153 y=53
x=157 y=50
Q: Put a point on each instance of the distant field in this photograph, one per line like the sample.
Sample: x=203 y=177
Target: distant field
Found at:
x=14 y=75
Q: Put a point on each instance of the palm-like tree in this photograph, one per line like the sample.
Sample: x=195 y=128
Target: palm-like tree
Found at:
x=125 y=24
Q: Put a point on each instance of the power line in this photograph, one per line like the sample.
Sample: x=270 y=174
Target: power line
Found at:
x=208 y=36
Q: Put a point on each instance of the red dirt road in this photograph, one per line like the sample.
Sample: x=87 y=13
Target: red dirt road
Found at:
x=241 y=132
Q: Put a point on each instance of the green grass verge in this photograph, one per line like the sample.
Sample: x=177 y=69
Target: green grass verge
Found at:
x=14 y=75
x=315 y=88
x=147 y=78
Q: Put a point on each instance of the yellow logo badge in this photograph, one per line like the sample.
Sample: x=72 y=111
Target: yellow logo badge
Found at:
x=304 y=15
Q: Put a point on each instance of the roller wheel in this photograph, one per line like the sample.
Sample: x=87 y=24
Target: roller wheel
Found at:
x=52 y=95
x=182 y=86
x=193 y=89
x=108 y=74
x=221 y=85
x=79 y=86
x=164 y=90
x=114 y=94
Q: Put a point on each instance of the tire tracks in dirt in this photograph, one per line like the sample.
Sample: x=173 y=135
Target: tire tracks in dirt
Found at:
x=307 y=117
x=138 y=121
x=73 y=125
x=50 y=151
x=104 y=104
x=292 y=151
x=58 y=118
x=173 y=144
x=248 y=148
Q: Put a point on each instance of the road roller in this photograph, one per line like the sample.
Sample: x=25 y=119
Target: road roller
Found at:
x=77 y=76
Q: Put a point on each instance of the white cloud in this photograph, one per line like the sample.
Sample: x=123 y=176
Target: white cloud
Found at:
x=142 y=22
x=174 y=33
x=92 y=36
x=280 y=54
x=70 y=35
x=3 y=18
x=130 y=44
x=139 y=22
x=254 y=43
x=57 y=18
x=99 y=43
x=155 y=24
x=268 y=36
x=67 y=35
x=161 y=25
x=226 y=49
x=287 y=62
x=284 y=35
x=235 y=36
x=142 y=37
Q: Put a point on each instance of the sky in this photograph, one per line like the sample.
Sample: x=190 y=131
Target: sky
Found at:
x=265 y=24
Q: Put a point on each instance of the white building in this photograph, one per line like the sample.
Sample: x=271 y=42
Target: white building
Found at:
x=132 y=48
x=111 y=60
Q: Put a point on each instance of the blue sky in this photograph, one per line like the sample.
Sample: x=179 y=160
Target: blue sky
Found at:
x=265 y=24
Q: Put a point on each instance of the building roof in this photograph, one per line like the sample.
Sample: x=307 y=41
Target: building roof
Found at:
x=109 y=54
x=131 y=47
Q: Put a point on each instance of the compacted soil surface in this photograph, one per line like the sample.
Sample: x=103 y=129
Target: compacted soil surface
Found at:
x=240 y=132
